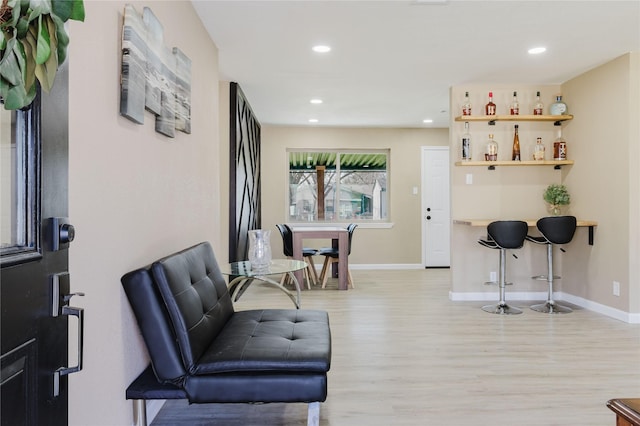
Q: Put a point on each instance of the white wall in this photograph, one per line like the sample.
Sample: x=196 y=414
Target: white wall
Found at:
x=134 y=195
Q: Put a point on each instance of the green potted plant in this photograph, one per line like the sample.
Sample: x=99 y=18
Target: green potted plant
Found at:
x=557 y=198
x=33 y=43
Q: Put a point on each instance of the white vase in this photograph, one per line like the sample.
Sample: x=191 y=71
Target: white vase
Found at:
x=259 y=249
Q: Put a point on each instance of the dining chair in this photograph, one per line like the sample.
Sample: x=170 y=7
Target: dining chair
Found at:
x=331 y=256
x=310 y=273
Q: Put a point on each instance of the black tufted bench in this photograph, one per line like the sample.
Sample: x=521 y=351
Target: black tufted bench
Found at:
x=204 y=351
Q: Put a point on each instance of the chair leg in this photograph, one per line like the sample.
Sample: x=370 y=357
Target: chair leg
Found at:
x=350 y=278
x=325 y=269
x=502 y=307
x=140 y=412
x=305 y=272
x=550 y=307
x=314 y=273
x=313 y=415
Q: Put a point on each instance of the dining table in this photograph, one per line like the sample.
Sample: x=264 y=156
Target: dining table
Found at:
x=339 y=239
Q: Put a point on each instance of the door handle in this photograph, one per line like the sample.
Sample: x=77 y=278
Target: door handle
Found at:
x=60 y=306
x=428 y=217
x=76 y=312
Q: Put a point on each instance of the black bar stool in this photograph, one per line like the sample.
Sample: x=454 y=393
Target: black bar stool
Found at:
x=504 y=235
x=555 y=230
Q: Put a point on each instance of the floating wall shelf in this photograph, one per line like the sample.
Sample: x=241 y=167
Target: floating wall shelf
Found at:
x=491 y=165
x=491 y=119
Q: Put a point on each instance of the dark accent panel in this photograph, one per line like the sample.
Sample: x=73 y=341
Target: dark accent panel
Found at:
x=244 y=180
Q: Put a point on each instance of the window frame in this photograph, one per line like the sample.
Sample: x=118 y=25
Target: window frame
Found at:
x=373 y=223
x=26 y=136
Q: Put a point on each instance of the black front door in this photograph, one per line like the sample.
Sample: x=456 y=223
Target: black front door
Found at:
x=34 y=282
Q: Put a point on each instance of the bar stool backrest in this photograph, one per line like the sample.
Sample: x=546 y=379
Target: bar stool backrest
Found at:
x=508 y=234
x=558 y=229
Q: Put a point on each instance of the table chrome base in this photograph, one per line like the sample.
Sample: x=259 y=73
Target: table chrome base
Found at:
x=501 y=309
x=551 y=308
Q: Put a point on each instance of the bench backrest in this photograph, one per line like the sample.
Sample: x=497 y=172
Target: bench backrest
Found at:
x=181 y=304
x=196 y=296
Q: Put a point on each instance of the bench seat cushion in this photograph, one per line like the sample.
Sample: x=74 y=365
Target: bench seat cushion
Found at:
x=273 y=340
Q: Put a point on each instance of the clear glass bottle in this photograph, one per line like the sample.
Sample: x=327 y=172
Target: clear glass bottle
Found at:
x=466 y=104
x=559 y=148
x=491 y=153
x=558 y=107
x=538 y=107
x=515 y=152
x=538 y=150
x=490 y=107
x=466 y=143
x=514 y=107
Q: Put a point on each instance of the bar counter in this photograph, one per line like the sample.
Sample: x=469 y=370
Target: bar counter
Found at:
x=531 y=222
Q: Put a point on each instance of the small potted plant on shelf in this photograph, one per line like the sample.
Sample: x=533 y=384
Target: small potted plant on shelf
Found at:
x=557 y=198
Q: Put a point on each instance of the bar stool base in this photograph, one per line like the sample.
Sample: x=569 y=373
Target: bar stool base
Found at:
x=551 y=308
x=501 y=309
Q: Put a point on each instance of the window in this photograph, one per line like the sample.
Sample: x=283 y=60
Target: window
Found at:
x=19 y=201
x=338 y=186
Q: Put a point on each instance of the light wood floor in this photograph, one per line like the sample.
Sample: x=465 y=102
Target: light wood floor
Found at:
x=403 y=354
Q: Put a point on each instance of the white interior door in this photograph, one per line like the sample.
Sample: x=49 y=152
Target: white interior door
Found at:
x=436 y=212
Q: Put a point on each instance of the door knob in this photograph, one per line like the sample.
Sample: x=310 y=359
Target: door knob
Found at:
x=428 y=217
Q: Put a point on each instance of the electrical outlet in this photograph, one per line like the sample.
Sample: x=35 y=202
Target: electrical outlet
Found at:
x=493 y=276
x=616 y=288
x=469 y=179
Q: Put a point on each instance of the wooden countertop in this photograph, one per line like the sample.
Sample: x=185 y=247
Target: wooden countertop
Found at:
x=627 y=410
x=530 y=222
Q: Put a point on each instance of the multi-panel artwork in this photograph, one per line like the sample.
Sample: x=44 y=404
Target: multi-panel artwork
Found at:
x=154 y=77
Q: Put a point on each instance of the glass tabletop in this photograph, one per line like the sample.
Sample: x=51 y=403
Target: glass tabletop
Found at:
x=277 y=266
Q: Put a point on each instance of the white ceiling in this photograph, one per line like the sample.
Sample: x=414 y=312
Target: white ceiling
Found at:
x=393 y=61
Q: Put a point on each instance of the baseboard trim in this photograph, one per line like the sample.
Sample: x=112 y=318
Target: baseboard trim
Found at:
x=378 y=266
x=560 y=296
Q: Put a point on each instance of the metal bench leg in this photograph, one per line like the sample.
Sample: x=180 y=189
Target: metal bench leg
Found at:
x=139 y=412
x=313 y=418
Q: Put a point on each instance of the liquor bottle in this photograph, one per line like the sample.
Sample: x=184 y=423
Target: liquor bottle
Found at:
x=559 y=148
x=538 y=150
x=491 y=153
x=490 y=108
x=538 y=107
x=558 y=107
x=515 y=152
x=514 y=108
x=466 y=104
x=466 y=143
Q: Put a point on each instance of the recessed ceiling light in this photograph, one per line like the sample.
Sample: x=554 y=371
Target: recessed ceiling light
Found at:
x=321 y=49
x=428 y=120
x=316 y=101
x=313 y=120
x=537 y=50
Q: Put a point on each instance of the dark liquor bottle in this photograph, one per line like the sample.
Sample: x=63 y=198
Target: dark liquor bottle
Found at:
x=490 y=107
x=514 y=108
x=515 y=153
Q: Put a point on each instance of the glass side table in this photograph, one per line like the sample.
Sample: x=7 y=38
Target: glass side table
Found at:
x=244 y=276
